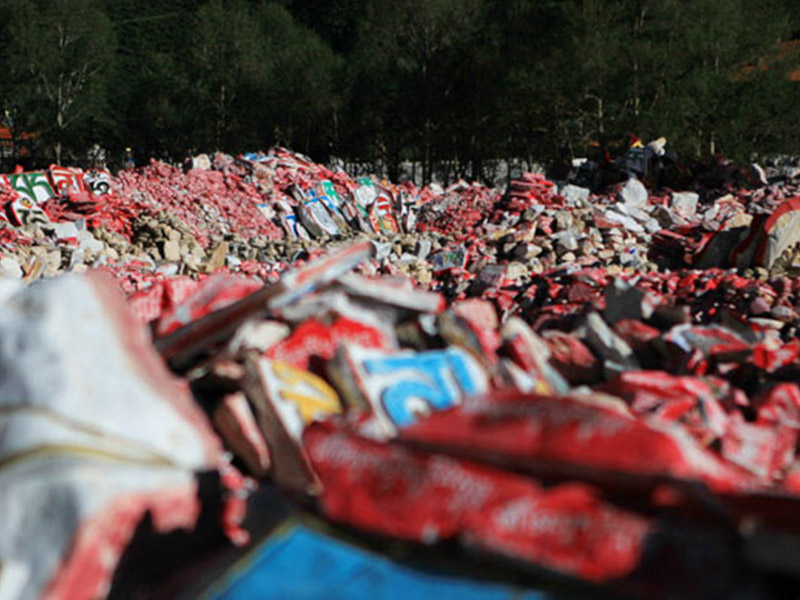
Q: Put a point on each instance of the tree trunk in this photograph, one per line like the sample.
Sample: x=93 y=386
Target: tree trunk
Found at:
x=600 y=116
x=426 y=160
x=221 y=118
x=60 y=125
x=335 y=146
x=637 y=30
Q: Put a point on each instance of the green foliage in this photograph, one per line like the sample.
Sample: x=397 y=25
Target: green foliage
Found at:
x=150 y=86
x=459 y=82
x=60 y=54
x=302 y=92
x=225 y=59
x=411 y=69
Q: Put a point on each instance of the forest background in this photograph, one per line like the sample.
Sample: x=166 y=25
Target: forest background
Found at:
x=463 y=81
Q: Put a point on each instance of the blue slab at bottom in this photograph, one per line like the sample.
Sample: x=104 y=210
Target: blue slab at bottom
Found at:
x=305 y=564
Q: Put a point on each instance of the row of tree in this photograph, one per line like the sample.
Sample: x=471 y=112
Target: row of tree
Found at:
x=463 y=81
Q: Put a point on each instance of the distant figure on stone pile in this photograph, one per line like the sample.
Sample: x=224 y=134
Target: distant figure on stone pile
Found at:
x=657 y=147
x=612 y=160
x=96 y=157
x=661 y=165
x=649 y=163
x=635 y=160
x=188 y=162
x=128 y=161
